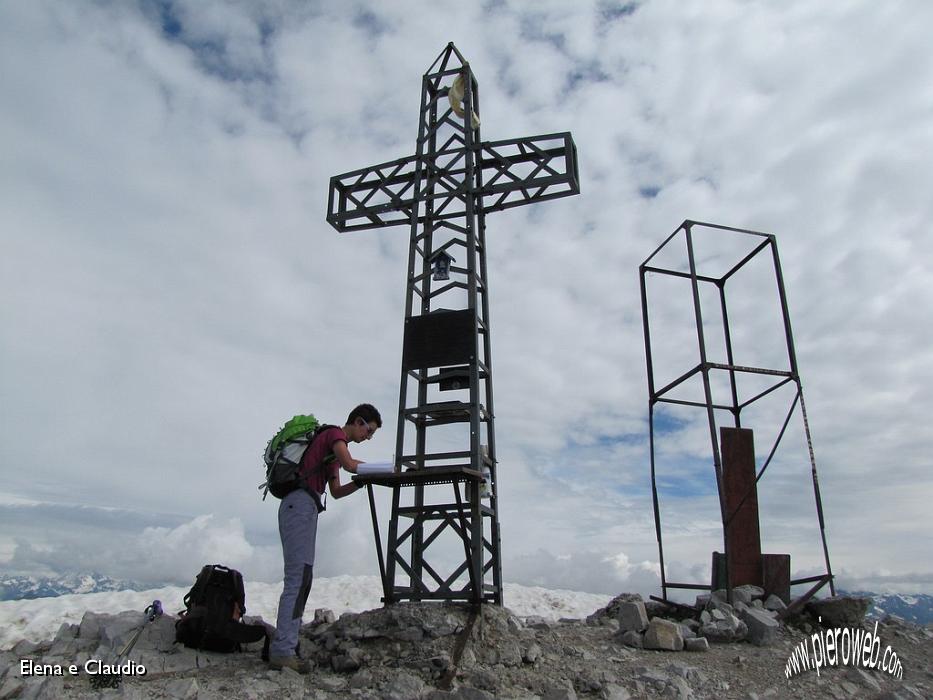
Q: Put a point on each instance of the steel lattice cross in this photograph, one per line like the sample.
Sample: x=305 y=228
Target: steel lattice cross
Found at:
x=446 y=189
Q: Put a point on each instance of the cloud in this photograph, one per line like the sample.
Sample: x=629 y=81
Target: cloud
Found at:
x=174 y=293
x=116 y=546
x=586 y=570
x=884 y=581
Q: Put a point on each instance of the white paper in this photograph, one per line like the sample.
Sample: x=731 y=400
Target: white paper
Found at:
x=374 y=468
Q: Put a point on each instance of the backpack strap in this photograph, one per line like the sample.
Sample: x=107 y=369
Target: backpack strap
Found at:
x=239 y=591
x=243 y=633
x=200 y=585
x=304 y=474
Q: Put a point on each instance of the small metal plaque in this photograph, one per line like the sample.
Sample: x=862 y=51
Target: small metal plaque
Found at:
x=440 y=338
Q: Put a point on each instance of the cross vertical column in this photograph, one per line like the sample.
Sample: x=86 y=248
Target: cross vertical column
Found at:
x=446 y=350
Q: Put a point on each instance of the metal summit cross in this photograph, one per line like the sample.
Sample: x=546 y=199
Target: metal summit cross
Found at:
x=443 y=194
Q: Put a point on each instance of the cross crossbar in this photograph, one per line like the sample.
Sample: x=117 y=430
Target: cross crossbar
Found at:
x=520 y=171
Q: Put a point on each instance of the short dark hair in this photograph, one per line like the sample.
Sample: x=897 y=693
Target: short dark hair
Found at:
x=367 y=412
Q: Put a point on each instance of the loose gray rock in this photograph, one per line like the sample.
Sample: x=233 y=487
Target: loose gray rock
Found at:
x=632 y=616
x=539 y=623
x=560 y=694
x=331 y=683
x=652 y=675
x=12 y=686
x=685 y=671
x=410 y=634
x=361 y=679
x=728 y=629
x=772 y=602
x=348 y=662
x=440 y=663
x=532 y=653
x=116 y=630
x=678 y=688
x=664 y=634
x=686 y=631
x=462 y=693
x=839 y=611
x=510 y=654
x=865 y=679
x=655 y=608
x=182 y=688
x=324 y=616
x=612 y=609
x=752 y=591
x=740 y=594
x=483 y=679
x=24 y=648
x=717 y=602
x=696 y=644
x=403 y=687
x=614 y=692
x=762 y=628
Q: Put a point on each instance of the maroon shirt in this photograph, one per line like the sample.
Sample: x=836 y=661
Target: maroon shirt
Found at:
x=321 y=449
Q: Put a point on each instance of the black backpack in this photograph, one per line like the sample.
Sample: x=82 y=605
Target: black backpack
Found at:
x=214 y=607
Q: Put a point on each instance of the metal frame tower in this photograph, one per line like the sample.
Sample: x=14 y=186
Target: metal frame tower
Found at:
x=721 y=379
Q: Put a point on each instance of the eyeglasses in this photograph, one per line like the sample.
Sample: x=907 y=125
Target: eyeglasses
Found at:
x=370 y=430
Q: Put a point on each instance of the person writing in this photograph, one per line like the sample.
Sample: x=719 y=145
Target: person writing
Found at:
x=298 y=514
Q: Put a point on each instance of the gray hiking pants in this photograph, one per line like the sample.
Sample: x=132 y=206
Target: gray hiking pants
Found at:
x=298 y=530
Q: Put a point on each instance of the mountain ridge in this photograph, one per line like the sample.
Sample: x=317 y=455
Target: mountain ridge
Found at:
x=26 y=587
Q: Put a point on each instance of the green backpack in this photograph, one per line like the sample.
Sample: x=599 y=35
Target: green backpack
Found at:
x=284 y=453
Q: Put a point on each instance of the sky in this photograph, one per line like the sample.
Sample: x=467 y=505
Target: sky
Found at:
x=172 y=292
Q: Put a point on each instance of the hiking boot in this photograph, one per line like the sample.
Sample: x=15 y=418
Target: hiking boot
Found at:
x=292 y=662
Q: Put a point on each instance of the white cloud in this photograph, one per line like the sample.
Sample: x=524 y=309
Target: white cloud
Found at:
x=148 y=555
x=174 y=294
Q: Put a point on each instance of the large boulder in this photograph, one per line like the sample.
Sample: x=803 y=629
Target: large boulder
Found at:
x=762 y=627
x=632 y=616
x=772 y=602
x=664 y=634
x=839 y=611
x=611 y=611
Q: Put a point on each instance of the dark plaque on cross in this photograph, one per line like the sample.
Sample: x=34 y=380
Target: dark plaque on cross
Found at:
x=446 y=432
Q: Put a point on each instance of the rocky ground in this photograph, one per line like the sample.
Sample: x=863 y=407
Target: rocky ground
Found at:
x=439 y=651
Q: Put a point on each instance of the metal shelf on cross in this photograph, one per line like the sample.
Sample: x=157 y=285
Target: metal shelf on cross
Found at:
x=443 y=193
x=442 y=413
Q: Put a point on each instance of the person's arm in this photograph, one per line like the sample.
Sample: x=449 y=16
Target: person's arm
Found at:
x=342 y=453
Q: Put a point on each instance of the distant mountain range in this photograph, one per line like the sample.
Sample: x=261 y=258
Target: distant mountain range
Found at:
x=913 y=608
x=28 y=587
